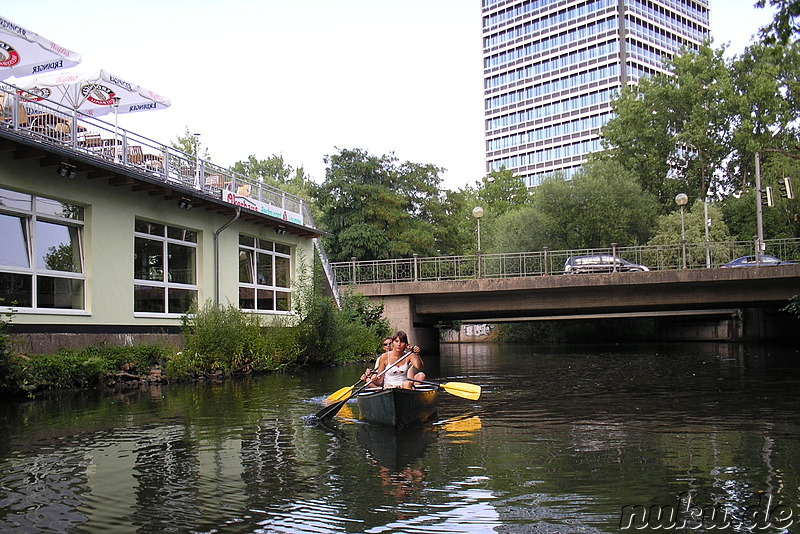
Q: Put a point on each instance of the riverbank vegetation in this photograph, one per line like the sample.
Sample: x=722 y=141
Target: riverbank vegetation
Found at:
x=220 y=341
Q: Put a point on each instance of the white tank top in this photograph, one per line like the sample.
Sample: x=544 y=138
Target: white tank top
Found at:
x=394 y=377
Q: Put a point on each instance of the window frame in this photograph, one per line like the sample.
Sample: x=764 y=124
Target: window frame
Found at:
x=281 y=295
x=30 y=216
x=165 y=285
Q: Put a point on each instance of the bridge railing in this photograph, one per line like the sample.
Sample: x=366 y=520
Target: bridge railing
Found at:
x=548 y=262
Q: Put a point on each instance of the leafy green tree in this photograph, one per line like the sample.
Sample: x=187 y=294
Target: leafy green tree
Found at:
x=189 y=144
x=784 y=26
x=375 y=207
x=768 y=104
x=674 y=130
x=602 y=204
x=501 y=191
x=276 y=172
x=668 y=232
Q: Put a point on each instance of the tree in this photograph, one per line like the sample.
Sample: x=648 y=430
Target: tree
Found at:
x=784 y=26
x=375 y=207
x=675 y=130
x=668 y=232
x=602 y=204
x=276 y=172
x=189 y=144
x=501 y=191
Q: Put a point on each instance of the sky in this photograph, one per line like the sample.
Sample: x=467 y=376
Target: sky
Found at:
x=303 y=79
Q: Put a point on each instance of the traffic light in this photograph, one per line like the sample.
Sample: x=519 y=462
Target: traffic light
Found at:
x=766 y=196
x=786 y=188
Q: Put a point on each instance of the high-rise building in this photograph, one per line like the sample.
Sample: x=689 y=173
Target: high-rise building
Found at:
x=552 y=67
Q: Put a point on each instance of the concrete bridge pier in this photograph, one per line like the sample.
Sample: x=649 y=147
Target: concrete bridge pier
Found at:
x=400 y=311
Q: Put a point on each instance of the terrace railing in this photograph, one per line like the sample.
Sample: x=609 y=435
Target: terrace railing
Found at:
x=547 y=262
x=52 y=123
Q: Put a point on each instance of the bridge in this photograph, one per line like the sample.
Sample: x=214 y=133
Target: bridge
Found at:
x=732 y=303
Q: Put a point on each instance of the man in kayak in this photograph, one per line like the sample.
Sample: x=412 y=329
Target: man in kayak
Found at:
x=398 y=373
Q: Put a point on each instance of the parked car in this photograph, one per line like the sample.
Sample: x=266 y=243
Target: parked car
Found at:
x=600 y=263
x=753 y=261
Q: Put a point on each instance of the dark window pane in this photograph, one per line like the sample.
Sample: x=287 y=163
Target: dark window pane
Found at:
x=57 y=247
x=13 y=242
x=181 y=300
x=149 y=228
x=246 y=266
x=282 y=249
x=148 y=299
x=282 y=277
x=181 y=264
x=264 y=269
x=148 y=259
x=182 y=234
x=266 y=300
x=263 y=244
x=16 y=290
x=283 y=301
x=247 y=298
x=246 y=240
x=62 y=293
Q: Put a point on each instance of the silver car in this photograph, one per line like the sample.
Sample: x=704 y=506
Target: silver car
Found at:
x=600 y=263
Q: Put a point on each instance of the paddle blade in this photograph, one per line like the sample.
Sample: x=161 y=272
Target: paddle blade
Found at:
x=462 y=389
x=342 y=394
x=329 y=411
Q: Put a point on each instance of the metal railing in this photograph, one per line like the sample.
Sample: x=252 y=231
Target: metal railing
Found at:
x=547 y=262
x=52 y=123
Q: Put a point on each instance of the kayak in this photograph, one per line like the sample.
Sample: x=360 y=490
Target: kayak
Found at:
x=398 y=407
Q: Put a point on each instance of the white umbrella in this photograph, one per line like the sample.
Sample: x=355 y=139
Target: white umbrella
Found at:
x=24 y=53
x=94 y=93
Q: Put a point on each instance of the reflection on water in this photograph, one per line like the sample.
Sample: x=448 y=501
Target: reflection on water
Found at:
x=562 y=440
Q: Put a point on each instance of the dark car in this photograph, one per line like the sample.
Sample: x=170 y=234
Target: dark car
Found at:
x=754 y=261
x=600 y=263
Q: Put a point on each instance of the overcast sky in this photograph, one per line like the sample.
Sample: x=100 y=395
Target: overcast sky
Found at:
x=303 y=78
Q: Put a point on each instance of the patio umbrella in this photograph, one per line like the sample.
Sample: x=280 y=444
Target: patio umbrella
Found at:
x=24 y=53
x=93 y=93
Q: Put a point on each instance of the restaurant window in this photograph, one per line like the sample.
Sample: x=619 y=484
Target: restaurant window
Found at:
x=164 y=268
x=265 y=275
x=41 y=253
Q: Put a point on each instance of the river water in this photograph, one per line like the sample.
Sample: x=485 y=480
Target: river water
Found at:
x=562 y=440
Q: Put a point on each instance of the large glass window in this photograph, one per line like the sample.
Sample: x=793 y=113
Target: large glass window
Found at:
x=265 y=275
x=164 y=268
x=41 y=253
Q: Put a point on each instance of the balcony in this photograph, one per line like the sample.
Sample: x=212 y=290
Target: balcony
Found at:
x=84 y=142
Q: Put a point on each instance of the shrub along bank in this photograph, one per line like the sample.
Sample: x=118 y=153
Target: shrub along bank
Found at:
x=220 y=341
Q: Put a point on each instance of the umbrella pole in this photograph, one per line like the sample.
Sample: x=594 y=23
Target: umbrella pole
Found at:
x=116 y=134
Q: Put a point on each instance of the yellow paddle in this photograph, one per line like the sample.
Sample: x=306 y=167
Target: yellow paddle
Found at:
x=459 y=389
x=331 y=410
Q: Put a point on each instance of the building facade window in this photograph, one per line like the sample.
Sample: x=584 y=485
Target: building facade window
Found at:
x=265 y=275
x=164 y=268
x=41 y=253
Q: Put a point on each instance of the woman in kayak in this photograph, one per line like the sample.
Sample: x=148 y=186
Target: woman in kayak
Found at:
x=402 y=374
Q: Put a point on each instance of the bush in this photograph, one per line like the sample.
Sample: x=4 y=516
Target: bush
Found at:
x=219 y=339
x=90 y=367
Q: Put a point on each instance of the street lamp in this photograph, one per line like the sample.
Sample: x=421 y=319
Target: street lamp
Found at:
x=477 y=212
x=197 y=160
x=681 y=200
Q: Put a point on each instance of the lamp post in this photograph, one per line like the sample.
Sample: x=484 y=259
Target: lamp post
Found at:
x=477 y=212
x=681 y=199
x=197 y=160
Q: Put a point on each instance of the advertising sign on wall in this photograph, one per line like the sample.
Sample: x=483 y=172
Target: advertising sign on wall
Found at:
x=261 y=207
